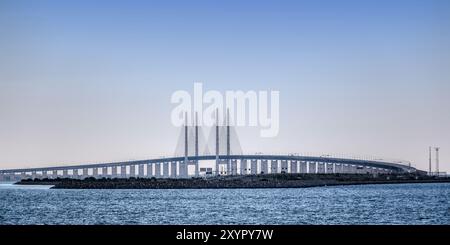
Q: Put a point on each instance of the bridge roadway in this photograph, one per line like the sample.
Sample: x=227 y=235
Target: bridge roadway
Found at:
x=175 y=167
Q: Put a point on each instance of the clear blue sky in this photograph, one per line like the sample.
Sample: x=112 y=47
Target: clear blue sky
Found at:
x=87 y=81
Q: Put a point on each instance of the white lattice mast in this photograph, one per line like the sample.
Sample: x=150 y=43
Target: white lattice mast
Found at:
x=186 y=148
x=196 y=146
x=429 y=161
x=217 y=142
x=228 y=141
x=437 y=160
x=228 y=132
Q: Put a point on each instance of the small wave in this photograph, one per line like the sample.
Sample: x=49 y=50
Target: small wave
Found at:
x=11 y=185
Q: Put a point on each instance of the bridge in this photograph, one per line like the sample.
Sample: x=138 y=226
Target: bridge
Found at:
x=228 y=160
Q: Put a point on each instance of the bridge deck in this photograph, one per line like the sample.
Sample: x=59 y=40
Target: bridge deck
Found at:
x=368 y=163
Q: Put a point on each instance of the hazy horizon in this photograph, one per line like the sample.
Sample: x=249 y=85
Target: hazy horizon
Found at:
x=85 y=82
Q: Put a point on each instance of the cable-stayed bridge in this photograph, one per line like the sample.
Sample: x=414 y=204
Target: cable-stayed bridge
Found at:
x=224 y=150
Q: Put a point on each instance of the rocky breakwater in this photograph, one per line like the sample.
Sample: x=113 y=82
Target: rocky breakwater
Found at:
x=244 y=181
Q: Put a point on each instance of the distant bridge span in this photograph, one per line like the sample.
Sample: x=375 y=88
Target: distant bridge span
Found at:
x=177 y=167
x=227 y=162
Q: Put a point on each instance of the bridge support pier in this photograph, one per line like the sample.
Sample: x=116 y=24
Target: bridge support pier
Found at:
x=254 y=166
x=233 y=167
x=329 y=169
x=197 y=170
x=141 y=171
x=223 y=167
x=158 y=170
x=217 y=167
x=264 y=167
x=132 y=171
x=165 y=170
x=173 y=169
x=95 y=173
x=75 y=174
x=65 y=173
x=321 y=168
x=284 y=166
x=181 y=169
x=273 y=166
x=105 y=172
x=149 y=170
x=243 y=165
x=312 y=167
x=347 y=169
x=294 y=168
x=303 y=167
x=114 y=172
x=123 y=171
x=85 y=173
x=184 y=168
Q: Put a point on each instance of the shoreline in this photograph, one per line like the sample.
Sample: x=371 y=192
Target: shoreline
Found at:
x=236 y=182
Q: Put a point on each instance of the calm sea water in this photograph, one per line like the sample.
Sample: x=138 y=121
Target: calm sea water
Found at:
x=368 y=204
